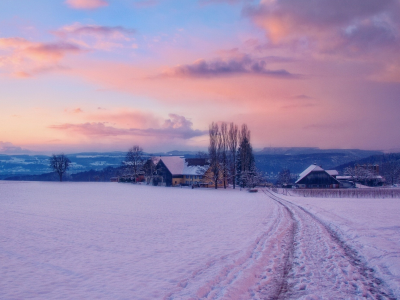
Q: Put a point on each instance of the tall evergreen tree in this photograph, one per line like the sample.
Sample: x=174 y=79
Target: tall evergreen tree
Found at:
x=245 y=157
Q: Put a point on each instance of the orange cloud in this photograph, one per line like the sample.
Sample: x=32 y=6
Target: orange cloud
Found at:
x=24 y=58
x=86 y=4
x=126 y=117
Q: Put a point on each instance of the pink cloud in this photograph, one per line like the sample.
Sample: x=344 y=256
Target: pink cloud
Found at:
x=24 y=58
x=97 y=37
x=51 y=51
x=175 y=127
x=126 y=117
x=115 y=32
x=330 y=26
x=77 y=110
x=86 y=4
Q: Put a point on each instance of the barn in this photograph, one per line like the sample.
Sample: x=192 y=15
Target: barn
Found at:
x=316 y=177
x=170 y=170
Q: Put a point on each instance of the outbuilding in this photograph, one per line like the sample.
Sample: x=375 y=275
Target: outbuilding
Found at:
x=315 y=177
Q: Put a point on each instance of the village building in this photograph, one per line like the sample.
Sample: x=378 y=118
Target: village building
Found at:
x=333 y=173
x=180 y=171
x=177 y=170
x=316 y=177
x=169 y=170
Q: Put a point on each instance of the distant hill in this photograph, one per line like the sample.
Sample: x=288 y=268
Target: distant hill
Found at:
x=297 y=159
x=18 y=165
x=314 y=150
x=91 y=175
x=373 y=159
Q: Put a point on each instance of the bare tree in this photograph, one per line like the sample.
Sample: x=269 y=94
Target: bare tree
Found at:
x=224 y=153
x=361 y=173
x=59 y=164
x=134 y=161
x=149 y=169
x=214 y=152
x=284 y=177
x=232 y=145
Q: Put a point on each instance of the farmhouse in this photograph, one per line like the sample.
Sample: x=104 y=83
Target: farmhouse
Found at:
x=316 y=177
x=176 y=170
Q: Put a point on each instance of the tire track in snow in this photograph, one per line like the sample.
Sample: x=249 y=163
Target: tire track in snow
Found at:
x=323 y=265
x=256 y=273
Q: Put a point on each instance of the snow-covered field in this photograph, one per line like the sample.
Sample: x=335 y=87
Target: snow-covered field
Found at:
x=123 y=241
x=370 y=226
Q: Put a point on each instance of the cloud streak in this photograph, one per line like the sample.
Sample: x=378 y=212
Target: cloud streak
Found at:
x=97 y=37
x=174 y=127
x=115 y=32
x=226 y=67
x=24 y=58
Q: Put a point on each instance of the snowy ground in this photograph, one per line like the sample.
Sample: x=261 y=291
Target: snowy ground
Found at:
x=371 y=227
x=121 y=241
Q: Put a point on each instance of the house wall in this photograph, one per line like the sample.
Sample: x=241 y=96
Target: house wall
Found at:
x=177 y=180
x=164 y=173
x=319 y=179
x=192 y=179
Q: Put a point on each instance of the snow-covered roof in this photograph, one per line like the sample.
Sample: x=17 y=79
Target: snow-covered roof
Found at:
x=178 y=166
x=307 y=171
x=194 y=170
x=332 y=172
x=344 y=177
x=175 y=164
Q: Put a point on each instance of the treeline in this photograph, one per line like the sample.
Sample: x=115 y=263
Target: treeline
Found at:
x=231 y=156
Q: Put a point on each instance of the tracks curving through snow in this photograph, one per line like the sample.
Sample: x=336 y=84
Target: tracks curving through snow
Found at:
x=296 y=257
x=323 y=265
x=255 y=273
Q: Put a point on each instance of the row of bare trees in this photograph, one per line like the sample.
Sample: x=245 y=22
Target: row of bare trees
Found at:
x=231 y=156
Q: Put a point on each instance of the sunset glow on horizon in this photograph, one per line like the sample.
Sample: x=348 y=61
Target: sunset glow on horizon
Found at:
x=103 y=75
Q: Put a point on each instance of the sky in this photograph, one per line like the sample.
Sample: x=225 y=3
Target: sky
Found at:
x=104 y=75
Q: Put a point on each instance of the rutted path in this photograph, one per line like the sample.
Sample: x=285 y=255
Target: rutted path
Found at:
x=323 y=266
x=297 y=257
x=256 y=273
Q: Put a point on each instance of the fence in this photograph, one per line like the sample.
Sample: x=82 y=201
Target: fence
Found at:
x=377 y=193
